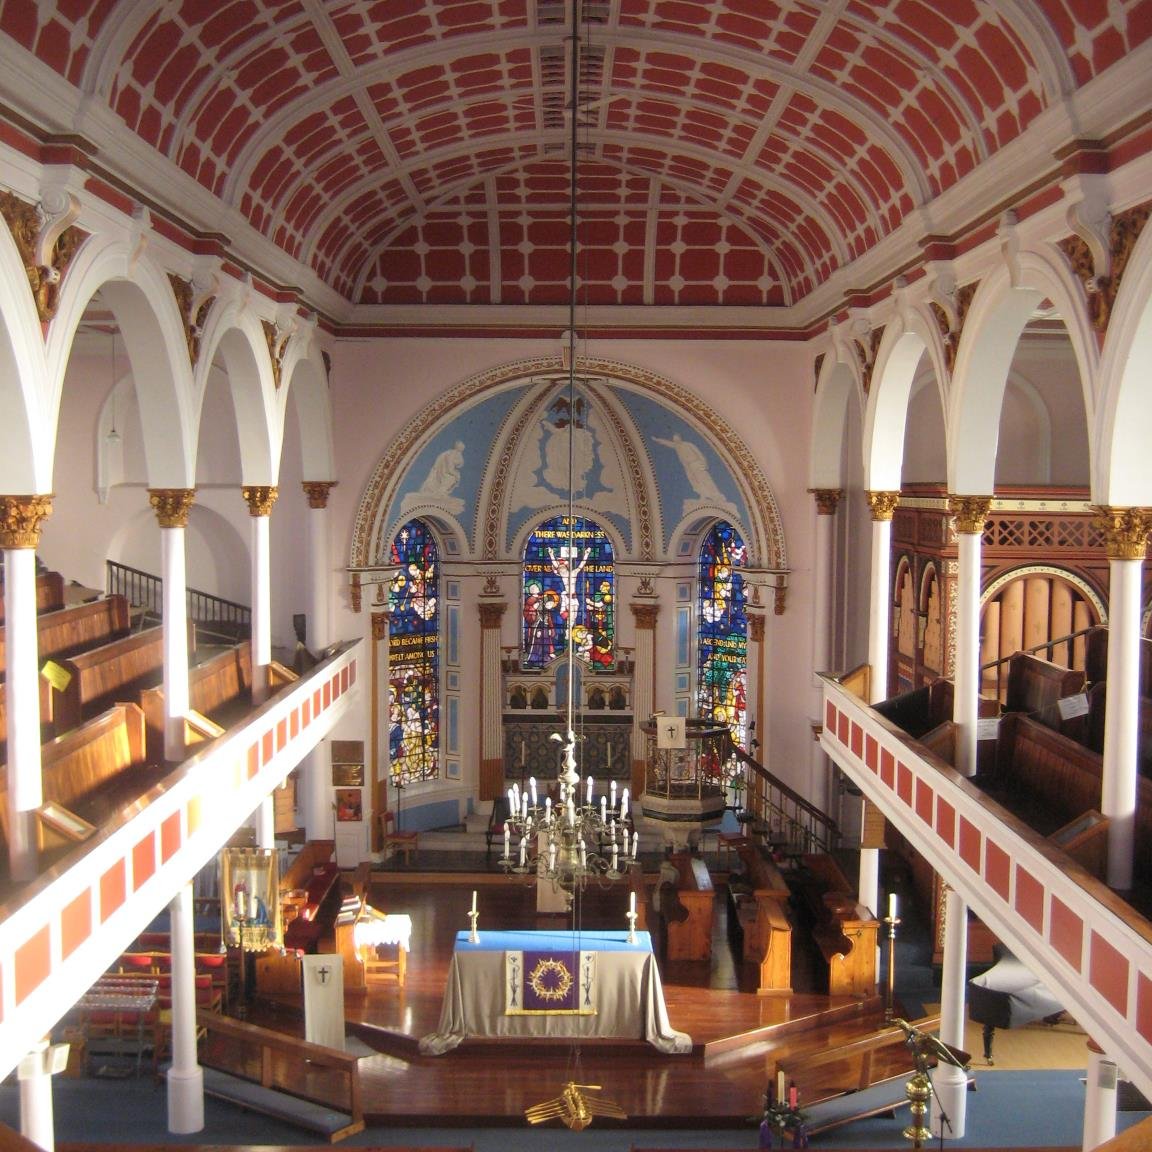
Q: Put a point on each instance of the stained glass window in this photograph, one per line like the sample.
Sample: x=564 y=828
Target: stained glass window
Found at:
x=722 y=636
x=569 y=582
x=414 y=656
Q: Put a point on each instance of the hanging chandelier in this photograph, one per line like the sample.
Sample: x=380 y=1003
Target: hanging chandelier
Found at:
x=574 y=837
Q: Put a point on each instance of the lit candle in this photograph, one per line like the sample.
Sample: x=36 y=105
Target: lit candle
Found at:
x=473 y=901
x=891 y=905
x=588 y=792
x=532 y=789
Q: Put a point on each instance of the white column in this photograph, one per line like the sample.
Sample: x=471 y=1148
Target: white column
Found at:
x=492 y=774
x=827 y=503
x=185 y=1076
x=1100 y=1101
x=644 y=613
x=313 y=799
x=264 y=823
x=20 y=520
x=950 y=1099
x=869 y=893
x=883 y=505
x=34 y=1072
x=260 y=499
x=172 y=506
x=1126 y=530
x=970 y=513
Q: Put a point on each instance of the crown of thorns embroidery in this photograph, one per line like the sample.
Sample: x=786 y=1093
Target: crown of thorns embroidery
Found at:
x=550 y=979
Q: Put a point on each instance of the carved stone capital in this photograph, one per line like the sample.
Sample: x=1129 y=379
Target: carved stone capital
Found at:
x=645 y=615
x=354 y=592
x=1125 y=530
x=827 y=500
x=172 y=505
x=970 y=513
x=779 y=599
x=20 y=520
x=380 y=622
x=491 y=613
x=260 y=498
x=756 y=628
x=317 y=492
x=882 y=504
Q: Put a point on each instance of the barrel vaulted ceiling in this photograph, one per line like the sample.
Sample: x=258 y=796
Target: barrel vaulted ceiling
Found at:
x=415 y=152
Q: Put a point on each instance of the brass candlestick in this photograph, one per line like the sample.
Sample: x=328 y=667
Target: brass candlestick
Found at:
x=890 y=1001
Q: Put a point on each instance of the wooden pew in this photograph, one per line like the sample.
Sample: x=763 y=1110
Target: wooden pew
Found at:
x=219 y=689
x=844 y=930
x=759 y=897
x=306 y=1084
x=92 y=770
x=690 y=938
x=1035 y=687
x=69 y=630
x=49 y=593
x=107 y=674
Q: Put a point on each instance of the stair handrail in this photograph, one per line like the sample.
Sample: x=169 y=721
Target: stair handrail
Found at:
x=146 y=590
x=781 y=813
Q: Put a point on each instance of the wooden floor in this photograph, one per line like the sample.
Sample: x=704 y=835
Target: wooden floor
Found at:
x=721 y=1083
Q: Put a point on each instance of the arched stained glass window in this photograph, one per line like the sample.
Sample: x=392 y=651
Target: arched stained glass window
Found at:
x=569 y=582
x=722 y=636
x=414 y=656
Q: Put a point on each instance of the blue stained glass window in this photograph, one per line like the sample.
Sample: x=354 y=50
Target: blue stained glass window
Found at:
x=414 y=656
x=722 y=636
x=569 y=582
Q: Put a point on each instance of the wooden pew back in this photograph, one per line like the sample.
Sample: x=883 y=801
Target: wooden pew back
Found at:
x=67 y=630
x=49 y=593
x=77 y=767
x=108 y=674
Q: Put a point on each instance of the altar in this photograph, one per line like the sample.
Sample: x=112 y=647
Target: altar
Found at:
x=554 y=985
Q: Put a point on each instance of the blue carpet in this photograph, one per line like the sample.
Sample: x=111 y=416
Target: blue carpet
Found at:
x=1007 y=1110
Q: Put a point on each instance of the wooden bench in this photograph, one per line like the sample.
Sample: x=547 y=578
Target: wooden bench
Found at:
x=49 y=593
x=843 y=930
x=690 y=937
x=759 y=895
x=1036 y=687
x=65 y=631
x=91 y=771
x=265 y=1071
x=108 y=674
x=219 y=690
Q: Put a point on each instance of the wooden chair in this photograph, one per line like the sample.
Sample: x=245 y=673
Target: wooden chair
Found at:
x=403 y=843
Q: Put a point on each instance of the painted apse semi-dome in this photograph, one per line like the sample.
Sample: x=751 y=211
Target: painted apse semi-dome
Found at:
x=492 y=458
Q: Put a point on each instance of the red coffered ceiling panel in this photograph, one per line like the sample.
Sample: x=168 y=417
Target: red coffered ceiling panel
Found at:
x=404 y=151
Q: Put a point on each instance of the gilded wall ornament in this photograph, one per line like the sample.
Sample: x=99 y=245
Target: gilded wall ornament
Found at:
x=47 y=241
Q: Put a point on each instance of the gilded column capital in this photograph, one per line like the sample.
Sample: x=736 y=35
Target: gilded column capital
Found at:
x=317 y=492
x=20 y=519
x=882 y=504
x=756 y=628
x=172 y=505
x=645 y=615
x=380 y=622
x=970 y=513
x=491 y=613
x=827 y=500
x=260 y=498
x=1125 y=530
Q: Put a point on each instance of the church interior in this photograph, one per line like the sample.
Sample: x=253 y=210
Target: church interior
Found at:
x=555 y=552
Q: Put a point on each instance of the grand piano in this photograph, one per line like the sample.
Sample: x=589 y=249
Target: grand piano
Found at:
x=1008 y=995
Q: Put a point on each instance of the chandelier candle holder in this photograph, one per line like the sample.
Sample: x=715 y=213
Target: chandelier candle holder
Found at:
x=577 y=839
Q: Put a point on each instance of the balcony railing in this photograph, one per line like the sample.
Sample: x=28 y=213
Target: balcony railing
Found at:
x=215 y=617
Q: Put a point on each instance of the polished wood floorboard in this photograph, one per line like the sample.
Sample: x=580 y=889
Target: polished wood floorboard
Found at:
x=487 y=1082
